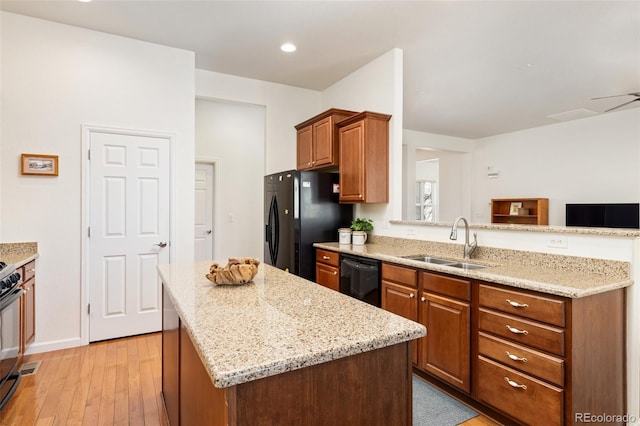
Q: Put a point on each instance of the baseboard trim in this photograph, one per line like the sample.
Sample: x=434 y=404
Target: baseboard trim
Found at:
x=56 y=345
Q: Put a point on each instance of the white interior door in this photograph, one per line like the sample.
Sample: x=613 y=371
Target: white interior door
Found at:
x=129 y=233
x=204 y=211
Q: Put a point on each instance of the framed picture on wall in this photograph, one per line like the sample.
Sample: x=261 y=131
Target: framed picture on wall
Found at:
x=39 y=164
x=513 y=210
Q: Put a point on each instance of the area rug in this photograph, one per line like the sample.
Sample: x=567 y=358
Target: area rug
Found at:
x=432 y=407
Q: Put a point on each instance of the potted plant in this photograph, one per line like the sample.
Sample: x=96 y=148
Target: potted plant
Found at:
x=360 y=228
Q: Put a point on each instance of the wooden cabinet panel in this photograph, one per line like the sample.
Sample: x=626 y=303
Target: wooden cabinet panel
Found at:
x=328 y=257
x=328 y=276
x=317 y=140
x=534 y=334
x=304 y=155
x=533 y=306
x=531 y=401
x=328 y=269
x=170 y=359
x=28 y=305
x=400 y=274
x=520 y=357
x=364 y=158
x=399 y=295
x=447 y=286
x=446 y=350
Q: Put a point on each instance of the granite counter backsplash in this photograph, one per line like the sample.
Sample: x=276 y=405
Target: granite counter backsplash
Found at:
x=567 y=276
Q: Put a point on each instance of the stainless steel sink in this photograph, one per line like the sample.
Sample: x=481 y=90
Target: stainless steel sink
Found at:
x=466 y=265
x=446 y=262
x=429 y=259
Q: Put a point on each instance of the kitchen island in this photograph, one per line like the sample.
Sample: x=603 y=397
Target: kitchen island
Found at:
x=280 y=350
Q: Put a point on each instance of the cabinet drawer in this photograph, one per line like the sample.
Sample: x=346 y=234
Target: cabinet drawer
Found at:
x=521 y=358
x=448 y=286
x=28 y=271
x=532 y=306
x=400 y=274
x=528 y=400
x=536 y=335
x=328 y=276
x=328 y=257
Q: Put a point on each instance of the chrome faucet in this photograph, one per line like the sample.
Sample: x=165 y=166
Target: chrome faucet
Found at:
x=469 y=248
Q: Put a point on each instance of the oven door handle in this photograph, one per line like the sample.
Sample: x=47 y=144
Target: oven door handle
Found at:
x=8 y=300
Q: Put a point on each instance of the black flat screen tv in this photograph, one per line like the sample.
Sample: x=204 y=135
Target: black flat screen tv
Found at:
x=620 y=215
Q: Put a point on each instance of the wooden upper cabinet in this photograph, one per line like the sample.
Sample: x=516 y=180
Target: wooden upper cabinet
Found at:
x=317 y=141
x=364 y=158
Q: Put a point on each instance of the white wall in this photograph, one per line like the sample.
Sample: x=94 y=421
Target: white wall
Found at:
x=376 y=87
x=233 y=134
x=285 y=107
x=54 y=79
x=595 y=159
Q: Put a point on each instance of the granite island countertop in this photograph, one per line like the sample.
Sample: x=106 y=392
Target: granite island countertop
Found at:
x=566 y=276
x=277 y=323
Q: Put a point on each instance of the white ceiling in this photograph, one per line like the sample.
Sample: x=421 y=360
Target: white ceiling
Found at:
x=471 y=68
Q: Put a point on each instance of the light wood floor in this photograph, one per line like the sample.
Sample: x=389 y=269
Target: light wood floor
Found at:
x=117 y=382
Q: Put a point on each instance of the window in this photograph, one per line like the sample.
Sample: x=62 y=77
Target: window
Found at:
x=427 y=200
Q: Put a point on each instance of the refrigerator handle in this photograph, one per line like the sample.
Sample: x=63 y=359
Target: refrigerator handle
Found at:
x=276 y=234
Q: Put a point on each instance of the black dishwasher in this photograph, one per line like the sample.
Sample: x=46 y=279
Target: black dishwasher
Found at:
x=360 y=278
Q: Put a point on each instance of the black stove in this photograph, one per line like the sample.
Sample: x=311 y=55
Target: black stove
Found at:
x=9 y=279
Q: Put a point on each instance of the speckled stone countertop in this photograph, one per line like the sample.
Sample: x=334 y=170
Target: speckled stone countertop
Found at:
x=566 y=276
x=18 y=253
x=277 y=323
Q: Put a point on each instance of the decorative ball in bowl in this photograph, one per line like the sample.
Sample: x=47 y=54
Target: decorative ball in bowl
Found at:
x=237 y=271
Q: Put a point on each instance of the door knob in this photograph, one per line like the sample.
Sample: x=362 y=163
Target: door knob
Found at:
x=161 y=244
x=208 y=231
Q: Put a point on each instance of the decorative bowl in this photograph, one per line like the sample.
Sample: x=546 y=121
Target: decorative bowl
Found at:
x=237 y=271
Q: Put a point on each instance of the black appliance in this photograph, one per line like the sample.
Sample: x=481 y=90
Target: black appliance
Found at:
x=10 y=354
x=619 y=215
x=301 y=208
x=360 y=278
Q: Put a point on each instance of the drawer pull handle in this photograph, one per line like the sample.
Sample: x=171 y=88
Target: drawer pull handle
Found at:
x=516 y=331
x=515 y=357
x=326 y=257
x=514 y=384
x=517 y=305
x=31 y=270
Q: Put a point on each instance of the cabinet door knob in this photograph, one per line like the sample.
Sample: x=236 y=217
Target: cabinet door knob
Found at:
x=335 y=272
x=411 y=295
x=517 y=305
x=514 y=384
x=423 y=299
x=515 y=357
x=359 y=195
x=516 y=331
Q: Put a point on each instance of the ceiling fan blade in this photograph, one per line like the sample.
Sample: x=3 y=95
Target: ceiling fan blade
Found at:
x=621 y=105
x=614 y=96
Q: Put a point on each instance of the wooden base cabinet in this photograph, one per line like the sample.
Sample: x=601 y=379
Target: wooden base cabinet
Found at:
x=445 y=310
x=28 y=305
x=543 y=359
x=328 y=269
x=399 y=295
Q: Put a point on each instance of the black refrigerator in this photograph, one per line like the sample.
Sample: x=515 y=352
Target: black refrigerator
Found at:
x=301 y=208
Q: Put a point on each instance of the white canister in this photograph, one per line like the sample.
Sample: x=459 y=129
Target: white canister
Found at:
x=359 y=238
x=344 y=236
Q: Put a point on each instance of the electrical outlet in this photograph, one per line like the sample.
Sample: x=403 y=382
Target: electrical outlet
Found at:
x=410 y=231
x=557 y=241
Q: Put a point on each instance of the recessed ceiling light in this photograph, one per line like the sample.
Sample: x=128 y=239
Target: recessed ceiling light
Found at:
x=288 y=47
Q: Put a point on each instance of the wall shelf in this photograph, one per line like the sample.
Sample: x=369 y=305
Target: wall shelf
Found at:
x=538 y=211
